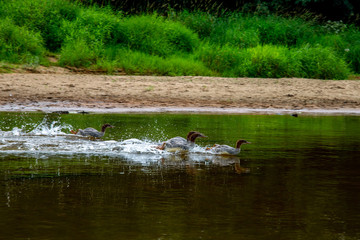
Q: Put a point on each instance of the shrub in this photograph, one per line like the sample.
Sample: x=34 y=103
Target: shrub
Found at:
x=154 y=35
x=202 y=23
x=18 y=44
x=352 y=50
x=224 y=30
x=242 y=38
x=43 y=16
x=88 y=35
x=94 y=25
x=322 y=63
x=135 y=62
x=261 y=61
x=352 y=56
x=78 y=53
x=283 y=31
x=344 y=44
x=220 y=59
x=269 y=61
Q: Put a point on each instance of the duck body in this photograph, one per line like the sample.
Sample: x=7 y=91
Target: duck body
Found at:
x=227 y=150
x=176 y=144
x=179 y=143
x=92 y=132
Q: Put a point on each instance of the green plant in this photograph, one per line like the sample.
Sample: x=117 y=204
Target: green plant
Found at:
x=220 y=59
x=283 y=31
x=202 y=23
x=18 y=44
x=155 y=35
x=352 y=56
x=269 y=61
x=135 y=62
x=322 y=63
x=43 y=16
x=78 y=53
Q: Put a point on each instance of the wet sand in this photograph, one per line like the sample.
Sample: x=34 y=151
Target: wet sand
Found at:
x=65 y=91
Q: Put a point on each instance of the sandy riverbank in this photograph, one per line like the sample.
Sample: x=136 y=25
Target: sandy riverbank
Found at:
x=76 y=92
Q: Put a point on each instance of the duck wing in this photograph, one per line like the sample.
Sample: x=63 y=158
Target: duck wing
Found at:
x=91 y=132
x=225 y=149
x=177 y=142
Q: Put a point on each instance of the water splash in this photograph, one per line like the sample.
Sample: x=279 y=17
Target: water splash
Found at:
x=52 y=129
x=49 y=138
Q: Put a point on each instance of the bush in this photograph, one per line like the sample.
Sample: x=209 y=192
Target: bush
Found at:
x=343 y=42
x=154 y=35
x=283 y=31
x=184 y=43
x=88 y=35
x=352 y=50
x=270 y=62
x=78 y=53
x=261 y=61
x=135 y=62
x=94 y=25
x=352 y=56
x=43 y=16
x=18 y=44
x=202 y=23
x=220 y=59
x=322 y=63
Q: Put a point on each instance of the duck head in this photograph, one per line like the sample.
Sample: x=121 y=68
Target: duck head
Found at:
x=240 y=142
x=107 y=125
x=195 y=135
x=189 y=135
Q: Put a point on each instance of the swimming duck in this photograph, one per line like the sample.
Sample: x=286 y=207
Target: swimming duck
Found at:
x=227 y=150
x=91 y=132
x=180 y=143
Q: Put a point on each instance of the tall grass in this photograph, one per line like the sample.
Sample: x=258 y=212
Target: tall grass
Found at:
x=19 y=44
x=322 y=63
x=244 y=30
x=155 y=35
x=136 y=62
x=182 y=43
x=43 y=16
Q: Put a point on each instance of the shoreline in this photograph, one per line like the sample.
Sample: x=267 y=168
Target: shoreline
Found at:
x=63 y=109
x=71 y=92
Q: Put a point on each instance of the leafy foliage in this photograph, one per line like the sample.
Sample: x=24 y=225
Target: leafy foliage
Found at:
x=18 y=44
x=43 y=16
x=155 y=35
x=231 y=44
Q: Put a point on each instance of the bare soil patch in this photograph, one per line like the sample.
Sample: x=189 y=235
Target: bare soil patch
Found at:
x=60 y=87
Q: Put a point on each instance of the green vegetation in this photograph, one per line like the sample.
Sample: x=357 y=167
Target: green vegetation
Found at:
x=177 y=43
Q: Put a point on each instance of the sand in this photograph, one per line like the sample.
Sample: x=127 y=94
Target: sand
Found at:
x=65 y=90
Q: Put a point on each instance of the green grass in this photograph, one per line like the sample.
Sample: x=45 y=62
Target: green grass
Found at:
x=18 y=44
x=42 y=16
x=137 y=62
x=182 y=43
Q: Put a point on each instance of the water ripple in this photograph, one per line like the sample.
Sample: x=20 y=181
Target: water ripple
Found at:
x=50 y=140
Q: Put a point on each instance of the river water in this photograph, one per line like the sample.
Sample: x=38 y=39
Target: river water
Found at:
x=299 y=179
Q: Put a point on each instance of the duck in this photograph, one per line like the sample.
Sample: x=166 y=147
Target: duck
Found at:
x=180 y=143
x=92 y=132
x=227 y=150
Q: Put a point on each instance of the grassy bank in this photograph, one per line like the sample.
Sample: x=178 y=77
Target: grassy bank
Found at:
x=181 y=43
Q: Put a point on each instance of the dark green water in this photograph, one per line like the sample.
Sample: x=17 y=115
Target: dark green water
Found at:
x=299 y=179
